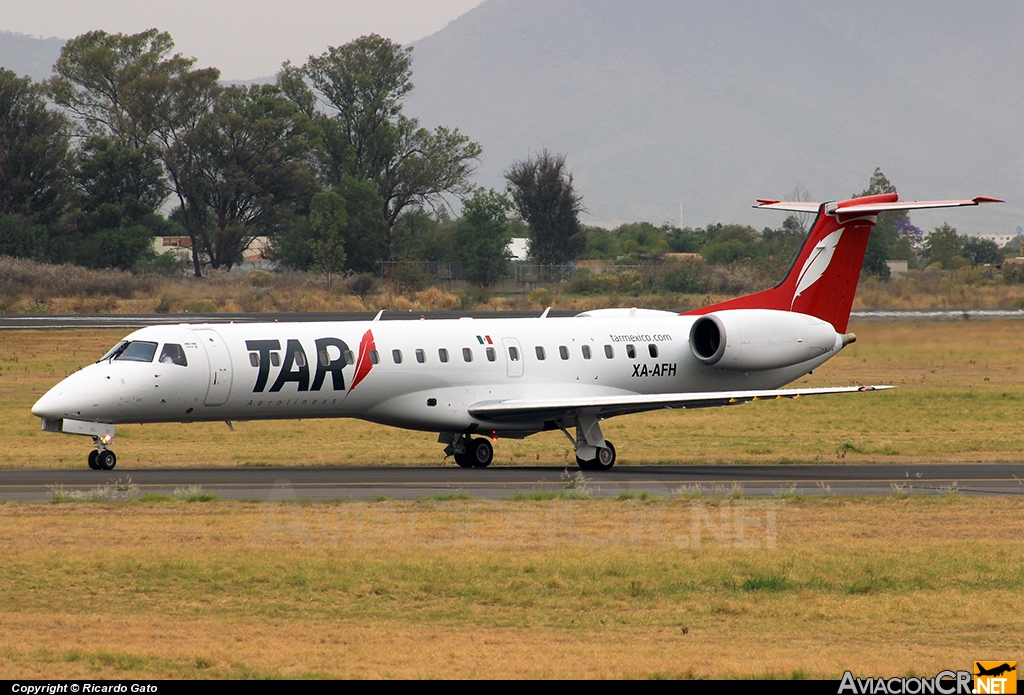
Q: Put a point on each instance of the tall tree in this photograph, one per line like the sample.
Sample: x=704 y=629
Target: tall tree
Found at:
x=243 y=168
x=34 y=171
x=116 y=84
x=132 y=89
x=482 y=236
x=354 y=95
x=542 y=191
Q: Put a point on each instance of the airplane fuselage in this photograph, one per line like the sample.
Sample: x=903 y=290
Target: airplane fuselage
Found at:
x=419 y=375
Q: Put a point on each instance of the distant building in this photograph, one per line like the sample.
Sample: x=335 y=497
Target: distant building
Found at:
x=897 y=268
x=181 y=246
x=1000 y=240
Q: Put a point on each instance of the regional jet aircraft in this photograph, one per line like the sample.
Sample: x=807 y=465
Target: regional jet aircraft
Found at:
x=474 y=381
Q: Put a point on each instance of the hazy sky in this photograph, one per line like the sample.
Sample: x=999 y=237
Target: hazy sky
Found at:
x=244 y=38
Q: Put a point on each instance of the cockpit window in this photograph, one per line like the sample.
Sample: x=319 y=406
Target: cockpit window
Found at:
x=114 y=351
x=173 y=354
x=135 y=351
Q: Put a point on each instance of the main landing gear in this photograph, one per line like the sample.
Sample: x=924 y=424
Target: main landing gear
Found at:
x=469 y=452
x=593 y=451
x=102 y=459
x=604 y=460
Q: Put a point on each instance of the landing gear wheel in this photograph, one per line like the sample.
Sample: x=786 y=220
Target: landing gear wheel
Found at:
x=605 y=457
x=106 y=460
x=604 y=461
x=92 y=460
x=464 y=460
x=481 y=453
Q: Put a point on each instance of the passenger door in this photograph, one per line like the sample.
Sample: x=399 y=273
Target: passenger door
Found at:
x=220 y=365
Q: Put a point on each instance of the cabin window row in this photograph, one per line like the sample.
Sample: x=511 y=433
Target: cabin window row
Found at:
x=443 y=355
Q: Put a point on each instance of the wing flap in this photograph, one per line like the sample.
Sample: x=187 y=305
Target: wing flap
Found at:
x=608 y=406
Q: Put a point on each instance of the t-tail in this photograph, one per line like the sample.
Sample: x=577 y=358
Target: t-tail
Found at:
x=823 y=279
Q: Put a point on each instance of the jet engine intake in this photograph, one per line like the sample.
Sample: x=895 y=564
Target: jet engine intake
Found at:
x=758 y=339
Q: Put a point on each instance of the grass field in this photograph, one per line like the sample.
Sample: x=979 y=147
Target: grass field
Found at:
x=470 y=588
x=961 y=389
x=443 y=587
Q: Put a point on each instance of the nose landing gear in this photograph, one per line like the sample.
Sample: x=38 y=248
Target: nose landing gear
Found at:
x=102 y=458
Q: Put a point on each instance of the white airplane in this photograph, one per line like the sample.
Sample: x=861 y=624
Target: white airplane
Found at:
x=476 y=380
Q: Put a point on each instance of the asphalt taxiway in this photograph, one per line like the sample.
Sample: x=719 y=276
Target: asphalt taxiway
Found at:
x=285 y=483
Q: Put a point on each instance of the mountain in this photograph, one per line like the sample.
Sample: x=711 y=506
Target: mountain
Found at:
x=659 y=103
x=28 y=55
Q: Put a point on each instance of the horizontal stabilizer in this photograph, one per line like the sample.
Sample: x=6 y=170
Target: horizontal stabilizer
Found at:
x=859 y=207
x=608 y=406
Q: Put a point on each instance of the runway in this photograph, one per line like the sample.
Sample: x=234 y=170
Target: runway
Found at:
x=130 y=321
x=366 y=483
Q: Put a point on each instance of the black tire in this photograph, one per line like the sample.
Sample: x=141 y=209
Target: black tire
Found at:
x=106 y=460
x=605 y=457
x=92 y=460
x=464 y=460
x=604 y=461
x=481 y=452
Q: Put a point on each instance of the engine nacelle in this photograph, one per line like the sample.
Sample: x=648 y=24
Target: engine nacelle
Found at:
x=756 y=339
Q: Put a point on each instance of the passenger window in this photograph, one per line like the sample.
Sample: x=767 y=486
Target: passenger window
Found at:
x=541 y=355
x=586 y=352
x=421 y=356
x=300 y=359
x=513 y=354
x=349 y=357
x=374 y=357
x=653 y=349
x=631 y=352
x=254 y=359
x=173 y=354
x=467 y=354
x=396 y=355
x=442 y=355
x=609 y=351
x=137 y=351
x=563 y=351
x=491 y=355
x=275 y=359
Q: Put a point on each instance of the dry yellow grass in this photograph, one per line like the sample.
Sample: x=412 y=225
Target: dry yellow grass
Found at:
x=508 y=589
x=960 y=397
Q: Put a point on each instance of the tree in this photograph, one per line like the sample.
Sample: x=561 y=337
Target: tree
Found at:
x=117 y=84
x=118 y=187
x=482 y=236
x=361 y=237
x=883 y=235
x=327 y=222
x=543 y=193
x=981 y=251
x=363 y=134
x=34 y=171
x=945 y=247
x=242 y=165
x=131 y=89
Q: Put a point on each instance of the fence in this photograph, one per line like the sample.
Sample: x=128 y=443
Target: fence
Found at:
x=519 y=277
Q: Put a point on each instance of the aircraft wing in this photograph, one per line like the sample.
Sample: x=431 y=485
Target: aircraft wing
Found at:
x=512 y=410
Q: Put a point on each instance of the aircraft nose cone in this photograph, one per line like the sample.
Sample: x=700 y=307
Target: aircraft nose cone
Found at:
x=49 y=406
